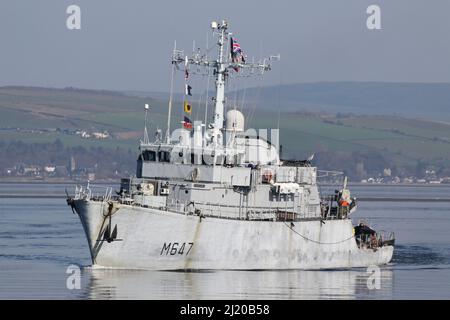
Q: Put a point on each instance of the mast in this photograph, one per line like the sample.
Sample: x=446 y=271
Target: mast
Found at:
x=207 y=85
x=146 y=140
x=220 y=85
x=221 y=67
x=170 y=98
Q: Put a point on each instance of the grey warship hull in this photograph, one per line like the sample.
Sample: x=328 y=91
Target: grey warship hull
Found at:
x=159 y=240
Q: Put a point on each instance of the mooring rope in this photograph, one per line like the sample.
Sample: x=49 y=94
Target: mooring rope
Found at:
x=315 y=241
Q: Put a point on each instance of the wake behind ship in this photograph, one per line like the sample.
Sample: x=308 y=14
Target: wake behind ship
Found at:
x=217 y=197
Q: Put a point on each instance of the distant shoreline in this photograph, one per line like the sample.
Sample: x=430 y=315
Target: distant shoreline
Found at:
x=56 y=181
x=60 y=193
x=362 y=199
x=117 y=181
x=441 y=185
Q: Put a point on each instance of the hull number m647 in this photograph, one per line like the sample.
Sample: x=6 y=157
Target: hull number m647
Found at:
x=173 y=248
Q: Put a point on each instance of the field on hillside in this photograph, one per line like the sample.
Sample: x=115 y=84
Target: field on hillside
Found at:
x=404 y=141
x=26 y=109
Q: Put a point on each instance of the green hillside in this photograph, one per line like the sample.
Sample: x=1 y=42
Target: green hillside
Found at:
x=31 y=115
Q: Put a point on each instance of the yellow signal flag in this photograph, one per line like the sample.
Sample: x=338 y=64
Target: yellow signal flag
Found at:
x=187 y=107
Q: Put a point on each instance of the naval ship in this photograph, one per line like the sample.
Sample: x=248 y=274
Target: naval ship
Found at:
x=218 y=197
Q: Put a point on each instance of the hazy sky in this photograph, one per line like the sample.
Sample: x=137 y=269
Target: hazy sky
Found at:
x=126 y=45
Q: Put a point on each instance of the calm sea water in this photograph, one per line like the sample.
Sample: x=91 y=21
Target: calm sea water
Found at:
x=40 y=238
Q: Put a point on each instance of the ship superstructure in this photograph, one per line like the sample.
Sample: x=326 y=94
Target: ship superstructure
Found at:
x=214 y=196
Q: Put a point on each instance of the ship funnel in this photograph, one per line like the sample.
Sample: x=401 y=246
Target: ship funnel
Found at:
x=235 y=121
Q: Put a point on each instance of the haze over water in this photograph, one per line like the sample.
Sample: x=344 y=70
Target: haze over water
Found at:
x=40 y=238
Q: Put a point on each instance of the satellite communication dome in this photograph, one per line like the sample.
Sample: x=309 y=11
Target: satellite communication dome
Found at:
x=235 y=121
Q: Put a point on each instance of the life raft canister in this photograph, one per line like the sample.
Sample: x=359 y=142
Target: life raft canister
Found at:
x=344 y=203
x=345 y=198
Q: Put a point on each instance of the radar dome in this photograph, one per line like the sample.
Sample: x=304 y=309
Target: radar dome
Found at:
x=235 y=121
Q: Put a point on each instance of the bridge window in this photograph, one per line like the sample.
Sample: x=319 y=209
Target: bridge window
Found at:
x=149 y=155
x=164 y=156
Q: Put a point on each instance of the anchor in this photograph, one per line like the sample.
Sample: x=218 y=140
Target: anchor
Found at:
x=109 y=236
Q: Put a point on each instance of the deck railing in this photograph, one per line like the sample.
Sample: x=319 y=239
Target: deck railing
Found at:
x=288 y=212
x=93 y=192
